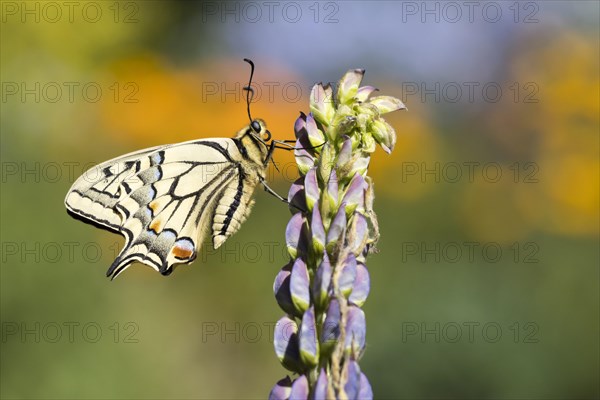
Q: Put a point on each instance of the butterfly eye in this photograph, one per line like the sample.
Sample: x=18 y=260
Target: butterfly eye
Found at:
x=255 y=126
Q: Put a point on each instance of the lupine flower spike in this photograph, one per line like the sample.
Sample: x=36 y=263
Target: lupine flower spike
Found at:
x=322 y=289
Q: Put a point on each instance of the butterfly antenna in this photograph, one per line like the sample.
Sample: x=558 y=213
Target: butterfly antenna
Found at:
x=248 y=88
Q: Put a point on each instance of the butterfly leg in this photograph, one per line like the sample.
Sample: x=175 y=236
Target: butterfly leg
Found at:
x=285 y=146
x=269 y=156
x=274 y=193
x=270 y=153
x=277 y=195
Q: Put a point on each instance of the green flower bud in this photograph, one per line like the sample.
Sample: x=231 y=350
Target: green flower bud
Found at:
x=387 y=104
x=368 y=142
x=348 y=86
x=321 y=103
x=326 y=162
x=384 y=134
x=364 y=93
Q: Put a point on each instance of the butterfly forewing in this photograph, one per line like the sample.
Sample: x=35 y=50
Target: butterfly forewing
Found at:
x=95 y=193
x=164 y=200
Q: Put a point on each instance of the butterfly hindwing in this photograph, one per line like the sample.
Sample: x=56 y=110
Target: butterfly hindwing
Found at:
x=165 y=200
x=233 y=208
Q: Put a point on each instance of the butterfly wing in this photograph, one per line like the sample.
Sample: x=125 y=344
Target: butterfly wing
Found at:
x=94 y=194
x=164 y=200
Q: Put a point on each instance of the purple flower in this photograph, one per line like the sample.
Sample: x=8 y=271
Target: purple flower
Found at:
x=285 y=340
x=321 y=103
x=315 y=135
x=331 y=326
x=320 y=392
x=365 y=392
x=362 y=285
x=300 y=389
x=364 y=92
x=337 y=229
x=304 y=157
x=318 y=231
x=347 y=275
x=295 y=235
x=332 y=194
x=300 y=286
x=311 y=188
x=281 y=288
x=354 y=197
x=358 y=234
x=296 y=197
x=356 y=329
x=352 y=384
x=309 y=345
x=281 y=390
x=322 y=282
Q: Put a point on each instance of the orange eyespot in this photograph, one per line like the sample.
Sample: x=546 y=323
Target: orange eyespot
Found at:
x=182 y=253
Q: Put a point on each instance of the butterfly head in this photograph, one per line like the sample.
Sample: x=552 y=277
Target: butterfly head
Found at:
x=259 y=129
x=256 y=131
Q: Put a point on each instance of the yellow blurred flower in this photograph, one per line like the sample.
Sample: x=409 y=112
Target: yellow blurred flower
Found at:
x=568 y=122
x=558 y=133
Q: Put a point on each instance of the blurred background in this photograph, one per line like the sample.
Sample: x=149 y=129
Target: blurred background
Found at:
x=487 y=281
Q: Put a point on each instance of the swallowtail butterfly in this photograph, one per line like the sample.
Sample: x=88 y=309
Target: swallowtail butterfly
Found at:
x=166 y=200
